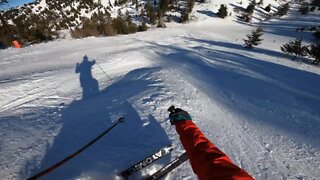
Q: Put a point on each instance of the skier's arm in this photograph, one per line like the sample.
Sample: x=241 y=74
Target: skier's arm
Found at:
x=207 y=161
x=92 y=62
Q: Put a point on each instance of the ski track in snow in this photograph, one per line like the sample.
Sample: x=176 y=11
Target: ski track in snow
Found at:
x=259 y=108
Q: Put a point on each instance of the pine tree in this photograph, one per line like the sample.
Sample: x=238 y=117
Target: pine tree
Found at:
x=268 y=8
x=316 y=3
x=254 y=39
x=190 y=4
x=160 y=20
x=315 y=53
x=261 y=3
x=246 y=17
x=164 y=6
x=128 y=17
x=317 y=34
x=250 y=8
x=222 y=12
x=283 y=9
x=184 y=16
x=304 y=9
x=142 y=14
x=120 y=24
x=137 y=4
x=295 y=48
x=150 y=13
x=253 y=2
x=143 y=26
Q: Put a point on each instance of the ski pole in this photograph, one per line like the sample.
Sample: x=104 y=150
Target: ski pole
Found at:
x=103 y=71
x=58 y=164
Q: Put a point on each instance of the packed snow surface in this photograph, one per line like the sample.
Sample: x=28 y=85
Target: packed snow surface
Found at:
x=260 y=108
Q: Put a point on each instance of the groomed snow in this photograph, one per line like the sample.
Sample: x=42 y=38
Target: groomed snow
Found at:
x=260 y=108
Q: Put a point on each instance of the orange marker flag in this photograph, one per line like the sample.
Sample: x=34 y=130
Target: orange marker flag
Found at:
x=16 y=44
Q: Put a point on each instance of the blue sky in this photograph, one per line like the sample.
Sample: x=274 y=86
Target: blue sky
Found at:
x=14 y=3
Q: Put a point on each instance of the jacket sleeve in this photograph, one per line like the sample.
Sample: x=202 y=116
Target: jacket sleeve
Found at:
x=207 y=161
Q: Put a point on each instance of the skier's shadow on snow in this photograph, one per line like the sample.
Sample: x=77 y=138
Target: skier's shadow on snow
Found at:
x=89 y=85
x=126 y=144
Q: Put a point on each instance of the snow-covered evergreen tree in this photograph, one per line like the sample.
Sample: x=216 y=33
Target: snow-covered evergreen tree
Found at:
x=315 y=53
x=295 y=48
x=223 y=11
x=254 y=39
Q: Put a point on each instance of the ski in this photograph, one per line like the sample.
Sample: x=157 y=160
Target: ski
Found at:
x=146 y=161
x=168 y=168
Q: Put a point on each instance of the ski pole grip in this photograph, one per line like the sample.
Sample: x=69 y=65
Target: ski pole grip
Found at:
x=121 y=119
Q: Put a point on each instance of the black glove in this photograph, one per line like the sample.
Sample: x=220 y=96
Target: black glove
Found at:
x=177 y=115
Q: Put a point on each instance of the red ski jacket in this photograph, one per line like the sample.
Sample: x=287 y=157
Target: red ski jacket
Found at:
x=207 y=161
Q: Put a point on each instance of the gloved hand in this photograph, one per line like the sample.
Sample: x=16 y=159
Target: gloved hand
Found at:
x=178 y=115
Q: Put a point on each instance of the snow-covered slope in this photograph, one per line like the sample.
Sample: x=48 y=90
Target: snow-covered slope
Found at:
x=261 y=109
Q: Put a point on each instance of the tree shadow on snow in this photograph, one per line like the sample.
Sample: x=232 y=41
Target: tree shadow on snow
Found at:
x=258 y=90
x=240 y=47
x=126 y=144
x=208 y=13
x=288 y=25
x=288 y=30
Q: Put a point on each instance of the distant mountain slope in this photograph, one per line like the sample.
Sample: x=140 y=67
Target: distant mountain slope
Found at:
x=260 y=108
x=42 y=20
